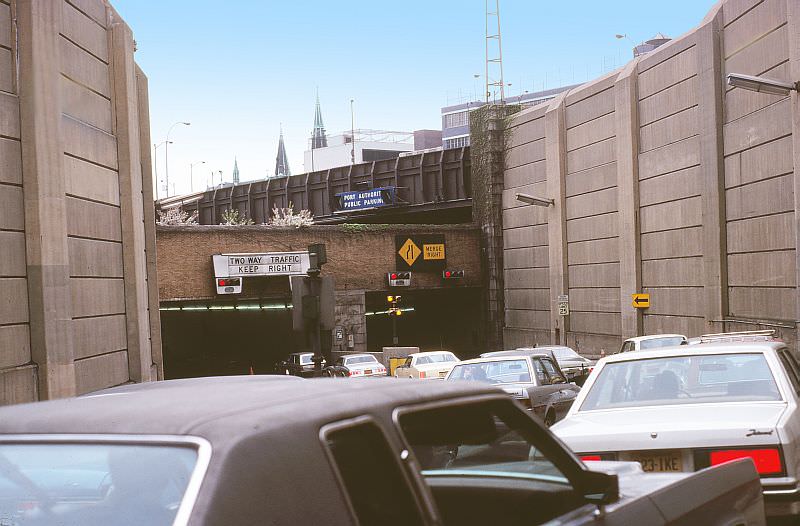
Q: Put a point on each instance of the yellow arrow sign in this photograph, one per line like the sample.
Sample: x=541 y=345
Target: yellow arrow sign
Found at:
x=640 y=301
x=409 y=252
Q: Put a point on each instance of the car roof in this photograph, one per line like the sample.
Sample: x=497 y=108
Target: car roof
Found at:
x=358 y=354
x=498 y=358
x=222 y=409
x=525 y=351
x=654 y=337
x=428 y=353
x=300 y=353
x=699 y=349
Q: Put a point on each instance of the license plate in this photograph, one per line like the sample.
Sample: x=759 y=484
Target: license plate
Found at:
x=659 y=461
x=368 y=371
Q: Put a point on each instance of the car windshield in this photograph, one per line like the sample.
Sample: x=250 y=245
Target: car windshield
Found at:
x=487 y=437
x=360 y=359
x=682 y=380
x=565 y=353
x=92 y=484
x=442 y=358
x=306 y=359
x=655 y=343
x=493 y=372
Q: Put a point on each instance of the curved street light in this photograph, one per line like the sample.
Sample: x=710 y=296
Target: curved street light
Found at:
x=166 y=149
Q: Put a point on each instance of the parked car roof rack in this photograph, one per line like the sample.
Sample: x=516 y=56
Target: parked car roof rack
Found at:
x=740 y=336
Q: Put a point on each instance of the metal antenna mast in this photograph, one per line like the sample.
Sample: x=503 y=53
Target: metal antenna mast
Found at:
x=494 y=61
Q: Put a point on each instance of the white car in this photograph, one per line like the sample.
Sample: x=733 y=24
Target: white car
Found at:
x=684 y=408
x=426 y=365
x=361 y=365
x=654 y=341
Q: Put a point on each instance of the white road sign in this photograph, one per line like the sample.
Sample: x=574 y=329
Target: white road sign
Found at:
x=267 y=264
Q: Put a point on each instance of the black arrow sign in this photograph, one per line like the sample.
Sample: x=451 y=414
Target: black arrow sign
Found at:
x=641 y=300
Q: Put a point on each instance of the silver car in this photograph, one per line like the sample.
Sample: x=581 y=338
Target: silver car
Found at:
x=361 y=365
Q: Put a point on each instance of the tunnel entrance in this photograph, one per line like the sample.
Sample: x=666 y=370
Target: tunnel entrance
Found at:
x=432 y=319
x=218 y=339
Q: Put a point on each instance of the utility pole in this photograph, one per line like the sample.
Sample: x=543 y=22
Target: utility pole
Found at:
x=495 y=59
x=352 y=134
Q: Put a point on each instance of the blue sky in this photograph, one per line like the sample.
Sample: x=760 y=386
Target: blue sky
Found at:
x=239 y=69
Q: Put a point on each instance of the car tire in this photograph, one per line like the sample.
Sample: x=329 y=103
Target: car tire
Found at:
x=549 y=418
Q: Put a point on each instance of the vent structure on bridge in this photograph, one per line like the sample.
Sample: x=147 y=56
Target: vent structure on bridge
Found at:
x=318 y=137
x=281 y=162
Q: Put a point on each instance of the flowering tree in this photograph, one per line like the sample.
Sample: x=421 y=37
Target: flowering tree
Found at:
x=176 y=216
x=288 y=217
x=232 y=217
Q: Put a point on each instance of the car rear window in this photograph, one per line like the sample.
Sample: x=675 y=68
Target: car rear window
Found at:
x=92 y=484
x=360 y=359
x=683 y=380
x=493 y=372
x=660 y=342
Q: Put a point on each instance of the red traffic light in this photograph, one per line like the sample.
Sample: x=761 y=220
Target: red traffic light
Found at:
x=452 y=274
x=447 y=273
x=229 y=282
x=394 y=275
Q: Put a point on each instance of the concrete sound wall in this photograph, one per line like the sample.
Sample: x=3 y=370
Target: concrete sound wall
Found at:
x=665 y=181
x=77 y=240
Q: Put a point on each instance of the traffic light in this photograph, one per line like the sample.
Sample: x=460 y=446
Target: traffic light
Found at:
x=452 y=274
x=229 y=285
x=394 y=308
x=399 y=279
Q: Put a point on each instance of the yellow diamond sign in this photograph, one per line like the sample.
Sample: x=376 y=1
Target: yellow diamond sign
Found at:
x=409 y=252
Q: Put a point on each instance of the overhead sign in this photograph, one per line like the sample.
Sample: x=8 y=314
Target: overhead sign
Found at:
x=563 y=305
x=641 y=301
x=421 y=252
x=266 y=264
x=366 y=199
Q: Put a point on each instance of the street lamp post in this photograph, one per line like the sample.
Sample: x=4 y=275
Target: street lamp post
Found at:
x=352 y=134
x=166 y=149
x=191 y=174
x=155 y=162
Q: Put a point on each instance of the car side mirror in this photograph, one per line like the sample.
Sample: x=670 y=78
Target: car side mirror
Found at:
x=599 y=488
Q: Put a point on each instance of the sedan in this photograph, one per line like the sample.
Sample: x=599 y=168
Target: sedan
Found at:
x=575 y=367
x=298 y=364
x=654 y=341
x=685 y=408
x=361 y=365
x=426 y=365
x=533 y=379
x=239 y=451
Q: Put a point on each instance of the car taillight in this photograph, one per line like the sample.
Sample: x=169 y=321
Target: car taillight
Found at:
x=595 y=457
x=591 y=458
x=768 y=461
x=422 y=374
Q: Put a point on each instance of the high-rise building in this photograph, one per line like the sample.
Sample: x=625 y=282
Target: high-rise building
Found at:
x=281 y=161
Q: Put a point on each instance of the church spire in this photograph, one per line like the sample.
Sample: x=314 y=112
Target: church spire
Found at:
x=235 y=171
x=281 y=161
x=318 y=138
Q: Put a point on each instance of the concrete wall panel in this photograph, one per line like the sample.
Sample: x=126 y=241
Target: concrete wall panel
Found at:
x=589 y=108
x=526 y=174
x=762 y=55
x=84 y=69
x=97 y=259
x=739 y=102
x=666 y=272
x=9 y=115
x=18 y=385
x=527 y=299
x=93 y=220
x=97 y=297
x=672 y=243
x=595 y=227
x=591 y=132
x=89 y=143
x=774 y=232
x=5 y=25
x=761 y=198
x=90 y=181
x=590 y=156
x=757 y=128
x=668 y=73
x=753 y=25
x=94 y=9
x=13 y=301
x=509 y=199
x=535 y=236
x=528 y=319
x=86 y=105
x=523 y=258
x=594 y=299
x=763 y=303
x=99 y=372
x=527 y=278
x=685 y=301
x=85 y=32
x=6 y=70
x=526 y=153
x=595 y=323
x=591 y=180
x=593 y=204
x=12 y=215
x=596 y=251
x=12 y=254
x=762 y=162
x=526 y=126
x=15 y=342
x=668 y=130
x=763 y=269
x=668 y=102
x=676 y=185
x=521 y=217
x=10 y=161
x=671 y=215
x=670 y=158
x=688 y=326
x=601 y=275
x=102 y=335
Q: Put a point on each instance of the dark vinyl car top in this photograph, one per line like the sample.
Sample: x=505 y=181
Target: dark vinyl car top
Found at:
x=260 y=429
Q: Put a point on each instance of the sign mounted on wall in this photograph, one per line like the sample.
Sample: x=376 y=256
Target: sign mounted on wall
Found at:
x=366 y=199
x=640 y=301
x=420 y=252
x=563 y=305
x=266 y=264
